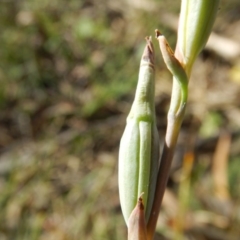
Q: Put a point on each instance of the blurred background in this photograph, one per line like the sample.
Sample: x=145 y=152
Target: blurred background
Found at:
x=68 y=72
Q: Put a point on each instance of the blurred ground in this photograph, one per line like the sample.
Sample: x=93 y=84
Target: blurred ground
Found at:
x=68 y=70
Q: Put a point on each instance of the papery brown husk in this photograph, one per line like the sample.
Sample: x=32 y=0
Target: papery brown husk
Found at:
x=136 y=223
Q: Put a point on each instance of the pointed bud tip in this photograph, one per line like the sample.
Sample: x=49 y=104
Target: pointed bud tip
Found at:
x=157 y=33
x=140 y=204
x=148 y=53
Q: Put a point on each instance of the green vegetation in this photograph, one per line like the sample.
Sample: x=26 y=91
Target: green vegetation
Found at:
x=68 y=70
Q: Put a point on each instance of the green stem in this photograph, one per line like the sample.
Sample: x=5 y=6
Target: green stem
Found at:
x=175 y=118
x=173 y=128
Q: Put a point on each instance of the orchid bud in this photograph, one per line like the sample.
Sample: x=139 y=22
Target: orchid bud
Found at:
x=139 y=146
x=196 y=21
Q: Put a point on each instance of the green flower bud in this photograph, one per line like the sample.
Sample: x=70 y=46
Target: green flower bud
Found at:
x=139 y=147
x=196 y=21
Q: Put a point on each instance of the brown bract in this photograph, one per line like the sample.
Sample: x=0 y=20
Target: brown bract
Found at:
x=136 y=225
x=148 y=53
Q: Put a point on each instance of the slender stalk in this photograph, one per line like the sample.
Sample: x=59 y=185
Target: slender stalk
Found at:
x=175 y=118
x=196 y=20
x=173 y=128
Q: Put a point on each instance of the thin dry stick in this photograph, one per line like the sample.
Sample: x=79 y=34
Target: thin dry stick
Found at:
x=183 y=195
x=220 y=166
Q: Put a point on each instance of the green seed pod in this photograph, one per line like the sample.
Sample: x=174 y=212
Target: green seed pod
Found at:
x=139 y=147
x=196 y=21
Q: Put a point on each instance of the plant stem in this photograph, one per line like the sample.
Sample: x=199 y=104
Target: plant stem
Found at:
x=173 y=128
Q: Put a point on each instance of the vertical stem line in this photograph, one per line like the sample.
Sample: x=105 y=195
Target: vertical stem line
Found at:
x=173 y=128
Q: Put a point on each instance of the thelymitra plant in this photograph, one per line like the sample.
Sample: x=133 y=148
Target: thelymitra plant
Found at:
x=139 y=147
x=143 y=171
